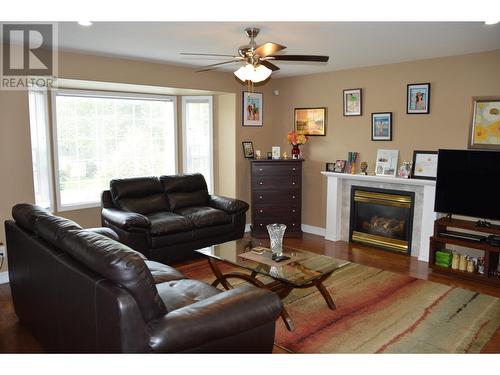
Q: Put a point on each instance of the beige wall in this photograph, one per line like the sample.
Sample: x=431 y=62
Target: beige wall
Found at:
x=15 y=148
x=454 y=80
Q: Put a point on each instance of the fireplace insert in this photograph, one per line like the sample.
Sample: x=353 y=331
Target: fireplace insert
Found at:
x=382 y=218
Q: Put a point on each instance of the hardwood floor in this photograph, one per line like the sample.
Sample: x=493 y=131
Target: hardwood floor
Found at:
x=14 y=338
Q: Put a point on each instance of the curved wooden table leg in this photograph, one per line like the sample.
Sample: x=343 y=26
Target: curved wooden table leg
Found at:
x=218 y=274
x=328 y=298
x=287 y=320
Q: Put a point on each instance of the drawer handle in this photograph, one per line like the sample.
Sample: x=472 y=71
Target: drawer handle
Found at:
x=293 y=182
x=260 y=169
x=260 y=183
x=261 y=224
x=293 y=224
x=261 y=211
x=292 y=211
x=293 y=196
x=260 y=196
x=293 y=169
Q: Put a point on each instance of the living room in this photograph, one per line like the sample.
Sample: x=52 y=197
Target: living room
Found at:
x=135 y=105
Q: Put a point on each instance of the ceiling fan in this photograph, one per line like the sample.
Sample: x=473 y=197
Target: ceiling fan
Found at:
x=257 y=60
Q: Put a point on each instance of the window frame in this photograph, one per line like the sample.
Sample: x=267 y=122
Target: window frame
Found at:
x=199 y=99
x=99 y=94
x=47 y=129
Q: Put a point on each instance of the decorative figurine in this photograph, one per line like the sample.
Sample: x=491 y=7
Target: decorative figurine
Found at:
x=285 y=156
x=364 y=168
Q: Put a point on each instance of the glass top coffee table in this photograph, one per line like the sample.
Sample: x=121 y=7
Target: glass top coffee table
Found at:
x=304 y=269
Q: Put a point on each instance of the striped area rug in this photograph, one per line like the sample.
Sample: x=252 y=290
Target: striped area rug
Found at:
x=381 y=312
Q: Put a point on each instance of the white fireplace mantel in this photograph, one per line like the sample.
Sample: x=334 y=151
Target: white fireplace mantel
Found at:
x=338 y=206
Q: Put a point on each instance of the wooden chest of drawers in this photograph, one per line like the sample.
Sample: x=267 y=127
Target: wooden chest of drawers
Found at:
x=276 y=195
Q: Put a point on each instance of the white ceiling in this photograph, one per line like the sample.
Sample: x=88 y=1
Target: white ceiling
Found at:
x=349 y=44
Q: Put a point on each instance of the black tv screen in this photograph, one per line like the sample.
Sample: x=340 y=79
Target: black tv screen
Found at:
x=468 y=183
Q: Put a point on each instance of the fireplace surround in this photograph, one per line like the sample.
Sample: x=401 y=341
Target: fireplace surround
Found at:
x=382 y=218
x=338 y=191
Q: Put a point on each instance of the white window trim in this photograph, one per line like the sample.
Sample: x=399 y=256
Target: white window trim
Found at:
x=48 y=136
x=98 y=94
x=199 y=99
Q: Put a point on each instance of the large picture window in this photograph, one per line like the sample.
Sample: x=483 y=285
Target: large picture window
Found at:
x=198 y=137
x=99 y=136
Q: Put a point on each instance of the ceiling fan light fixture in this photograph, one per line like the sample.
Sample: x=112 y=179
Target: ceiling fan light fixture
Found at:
x=254 y=74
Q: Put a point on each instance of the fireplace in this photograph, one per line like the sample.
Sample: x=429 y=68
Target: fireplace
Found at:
x=382 y=218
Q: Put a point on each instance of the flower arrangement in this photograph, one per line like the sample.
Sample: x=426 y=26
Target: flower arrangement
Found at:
x=296 y=139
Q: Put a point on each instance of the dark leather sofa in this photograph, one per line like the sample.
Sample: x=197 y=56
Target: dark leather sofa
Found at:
x=81 y=291
x=167 y=218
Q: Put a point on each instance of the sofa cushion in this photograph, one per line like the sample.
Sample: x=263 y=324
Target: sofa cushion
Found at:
x=180 y=293
x=118 y=263
x=25 y=215
x=163 y=273
x=168 y=222
x=203 y=216
x=185 y=190
x=182 y=200
x=142 y=195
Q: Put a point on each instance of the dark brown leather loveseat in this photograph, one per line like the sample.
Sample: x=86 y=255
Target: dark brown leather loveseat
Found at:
x=82 y=291
x=167 y=218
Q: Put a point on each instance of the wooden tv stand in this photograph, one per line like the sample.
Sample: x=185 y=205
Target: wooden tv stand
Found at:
x=491 y=253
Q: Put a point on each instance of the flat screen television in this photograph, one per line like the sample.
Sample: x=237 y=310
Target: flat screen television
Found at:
x=468 y=183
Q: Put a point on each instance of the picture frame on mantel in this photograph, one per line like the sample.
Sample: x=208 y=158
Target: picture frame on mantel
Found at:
x=424 y=165
x=252 y=109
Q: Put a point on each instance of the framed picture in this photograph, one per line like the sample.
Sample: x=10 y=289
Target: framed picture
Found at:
x=418 y=98
x=485 y=124
x=248 y=150
x=387 y=163
x=382 y=126
x=310 y=121
x=340 y=166
x=352 y=102
x=276 y=151
x=252 y=108
x=425 y=165
x=330 y=167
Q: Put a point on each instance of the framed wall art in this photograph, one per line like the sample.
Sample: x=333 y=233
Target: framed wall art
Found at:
x=310 y=121
x=382 y=126
x=253 y=109
x=248 y=150
x=418 y=98
x=424 y=165
x=330 y=167
x=352 y=102
x=339 y=166
x=387 y=163
x=485 y=124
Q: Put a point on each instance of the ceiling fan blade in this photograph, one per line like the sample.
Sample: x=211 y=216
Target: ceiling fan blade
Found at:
x=269 y=65
x=213 y=66
x=311 y=58
x=205 y=54
x=268 y=48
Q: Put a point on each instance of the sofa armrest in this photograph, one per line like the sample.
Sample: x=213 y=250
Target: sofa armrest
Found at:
x=126 y=220
x=230 y=205
x=225 y=314
x=106 y=199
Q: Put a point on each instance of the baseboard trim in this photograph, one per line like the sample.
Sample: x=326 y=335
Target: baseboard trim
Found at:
x=313 y=230
x=4 y=277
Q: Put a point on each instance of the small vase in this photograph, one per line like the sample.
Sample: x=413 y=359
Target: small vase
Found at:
x=295 y=152
x=276 y=232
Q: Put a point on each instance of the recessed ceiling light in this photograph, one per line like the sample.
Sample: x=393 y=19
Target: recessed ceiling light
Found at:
x=491 y=22
x=84 y=23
